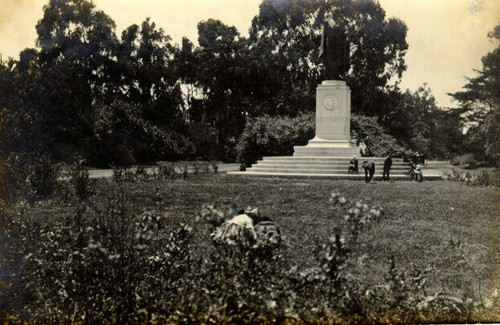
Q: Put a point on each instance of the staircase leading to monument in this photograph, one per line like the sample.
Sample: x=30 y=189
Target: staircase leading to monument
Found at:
x=322 y=166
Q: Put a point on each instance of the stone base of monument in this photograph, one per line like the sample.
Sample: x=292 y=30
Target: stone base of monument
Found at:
x=327 y=148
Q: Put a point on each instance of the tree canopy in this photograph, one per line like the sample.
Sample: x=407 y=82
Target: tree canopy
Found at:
x=141 y=98
x=275 y=70
x=62 y=91
x=480 y=102
x=289 y=33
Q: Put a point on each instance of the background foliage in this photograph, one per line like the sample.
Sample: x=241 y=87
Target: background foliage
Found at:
x=139 y=98
x=66 y=92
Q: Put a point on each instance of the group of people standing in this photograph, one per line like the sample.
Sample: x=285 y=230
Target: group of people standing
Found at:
x=369 y=167
x=416 y=161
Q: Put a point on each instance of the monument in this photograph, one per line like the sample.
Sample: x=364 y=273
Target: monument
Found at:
x=333 y=98
x=329 y=153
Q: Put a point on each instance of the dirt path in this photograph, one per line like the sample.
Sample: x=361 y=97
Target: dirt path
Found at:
x=105 y=173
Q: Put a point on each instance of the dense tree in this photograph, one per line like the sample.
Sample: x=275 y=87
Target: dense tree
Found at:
x=187 y=62
x=288 y=34
x=273 y=136
x=124 y=136
x=422 y=126
x=277 y=135
x=276 y=70
x=481 y=94
x=480 y=103
x=76 y=44
x=221 y=75
x=74 y=92
x=492 y=134
x=148 y=75
x=379 y=142
x=26 y=122
x=26 y=132
x=58 y=98
x=446 y=136
x=145 y=120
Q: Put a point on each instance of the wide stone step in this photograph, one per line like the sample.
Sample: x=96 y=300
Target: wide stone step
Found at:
x=308 y=151
x=325 y=164
x=328 y=159
x=310 y=172
x=335 y=167
x=318 y=175
x=338 y=164
x=318 y=170
x=321 y=167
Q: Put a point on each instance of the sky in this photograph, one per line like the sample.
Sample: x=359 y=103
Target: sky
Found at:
x=446 y=38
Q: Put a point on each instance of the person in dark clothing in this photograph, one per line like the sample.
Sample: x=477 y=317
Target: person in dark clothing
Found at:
x=353 y=166
x=387 y=168
x=411 y=170
x=369 y=167
x=419 y=158
x=364 y=150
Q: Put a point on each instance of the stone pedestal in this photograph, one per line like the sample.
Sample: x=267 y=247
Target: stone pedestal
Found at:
x=333 y=122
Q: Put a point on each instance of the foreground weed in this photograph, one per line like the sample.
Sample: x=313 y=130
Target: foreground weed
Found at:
x=108 y=262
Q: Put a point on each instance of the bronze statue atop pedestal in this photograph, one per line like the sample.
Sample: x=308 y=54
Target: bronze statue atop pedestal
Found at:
x=334 y=50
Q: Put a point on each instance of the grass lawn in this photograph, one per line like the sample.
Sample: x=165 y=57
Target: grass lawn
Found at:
x=420 y=221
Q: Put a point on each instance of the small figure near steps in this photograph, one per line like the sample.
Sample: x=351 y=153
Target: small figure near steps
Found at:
x=369 y=167
x=353 y=166
x=387 y=168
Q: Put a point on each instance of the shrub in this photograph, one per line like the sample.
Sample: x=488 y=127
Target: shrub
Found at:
x=121 y=127
x=490 y=177
x=39 y=178
x=106 y=263
x=13 y=174
x=141 y=174
x=467 y=160
x=215 y=167
x=485 y=177
x=166 y=170
x=273 y=136
x=196 y=167
x=75 y=184
x=378 y=141
x=105 y=152
x=123 y=174
x=42 y=177
x=185 y=172
x=82 y=186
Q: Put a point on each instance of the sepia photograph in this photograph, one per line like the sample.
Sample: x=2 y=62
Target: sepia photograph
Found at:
x=249 y=161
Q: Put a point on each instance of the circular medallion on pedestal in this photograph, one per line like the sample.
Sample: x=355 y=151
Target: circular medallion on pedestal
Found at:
x=330 y=102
